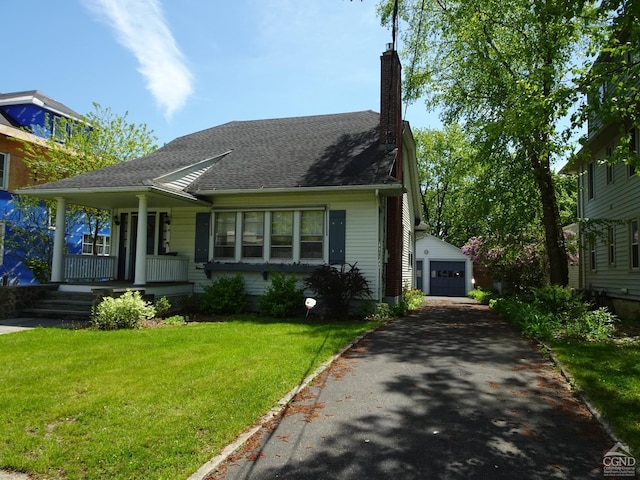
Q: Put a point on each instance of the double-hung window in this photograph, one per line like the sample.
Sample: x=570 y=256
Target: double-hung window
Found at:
x=252 y=234
x=634 y=253
x=103 y=245
x=611 y=244
x=4 y=171
x=311 y=234
x=282 y=235
x=224 y=244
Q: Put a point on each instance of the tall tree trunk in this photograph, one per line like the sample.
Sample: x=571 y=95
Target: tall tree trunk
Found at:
x=554 y=236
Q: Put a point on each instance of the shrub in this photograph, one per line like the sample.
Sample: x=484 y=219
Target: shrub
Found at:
x=482 y=296
x=381 y=312
x=174 y=320
x=561 y=302
x=338 y=288
x=162 y=306
x=225 y=296
x=413 y=298
x=126 y=311
x=595 y=326
x=282 y=298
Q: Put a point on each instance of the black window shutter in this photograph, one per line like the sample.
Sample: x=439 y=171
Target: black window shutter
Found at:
x=203 y=226
x=337 y=234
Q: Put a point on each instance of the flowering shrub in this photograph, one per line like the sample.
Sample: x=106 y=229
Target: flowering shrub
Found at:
x=520 y=264
x=126 y=311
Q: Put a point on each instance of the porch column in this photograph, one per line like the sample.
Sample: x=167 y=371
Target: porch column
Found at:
x=141 y=243
x=57 y=262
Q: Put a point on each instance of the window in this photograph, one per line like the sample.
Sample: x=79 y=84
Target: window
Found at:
x=590 y=180
x=2 y=231
x=103 y=244
x=294 y=235
x=633 y=146
x=4 y=171
x=282 y=235
x=611 y=244
x=225 y=235
x=634 y=253
x=312 y=234
x=609 y=165
x=252 y=234
x=592 y=252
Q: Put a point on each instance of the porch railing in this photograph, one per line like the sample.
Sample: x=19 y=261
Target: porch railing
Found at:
x=160 y=268
x=167 y=268
x=89 y=267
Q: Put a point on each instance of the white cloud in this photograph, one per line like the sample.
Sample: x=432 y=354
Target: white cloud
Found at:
x=140 y=27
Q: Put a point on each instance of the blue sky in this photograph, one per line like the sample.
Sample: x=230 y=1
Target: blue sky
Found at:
x=181 y=66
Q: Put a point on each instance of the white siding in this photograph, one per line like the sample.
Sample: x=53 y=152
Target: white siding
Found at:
x=361 y=242
x=617 y=202
x=408 y=277
x=430 y=248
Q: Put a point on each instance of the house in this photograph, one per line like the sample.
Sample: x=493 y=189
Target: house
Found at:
x=609 y=202
x=441 y=268
x=255 y=197
x=27 y=116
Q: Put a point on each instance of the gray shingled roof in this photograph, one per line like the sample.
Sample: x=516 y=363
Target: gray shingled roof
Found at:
x=314 y=151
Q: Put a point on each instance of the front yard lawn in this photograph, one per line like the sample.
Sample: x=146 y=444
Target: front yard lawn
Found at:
x=609 y=376
x=148 y=403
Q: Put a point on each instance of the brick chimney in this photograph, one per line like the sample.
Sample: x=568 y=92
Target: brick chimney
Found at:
x=390 y=99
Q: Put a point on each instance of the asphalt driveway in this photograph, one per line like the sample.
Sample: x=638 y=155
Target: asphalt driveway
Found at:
x=452 y=392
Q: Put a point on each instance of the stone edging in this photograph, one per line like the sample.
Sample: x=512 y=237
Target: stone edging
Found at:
x=212 y=465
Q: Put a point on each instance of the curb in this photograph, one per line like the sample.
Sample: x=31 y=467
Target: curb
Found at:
x=212 y=465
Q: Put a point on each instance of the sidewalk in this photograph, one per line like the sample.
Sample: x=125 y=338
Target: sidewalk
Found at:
x=452 y=392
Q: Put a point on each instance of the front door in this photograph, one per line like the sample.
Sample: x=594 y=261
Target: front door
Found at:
x=157 y=240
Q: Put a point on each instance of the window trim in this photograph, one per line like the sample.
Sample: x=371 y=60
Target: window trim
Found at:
x=611 y=245
x=296 y=254
x=3 y=231
x=634 y=246
x=593 y=258
x=103 y=242
x=5 y=160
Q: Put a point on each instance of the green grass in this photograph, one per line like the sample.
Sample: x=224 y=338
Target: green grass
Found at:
x=149 y=403
x=609 y=376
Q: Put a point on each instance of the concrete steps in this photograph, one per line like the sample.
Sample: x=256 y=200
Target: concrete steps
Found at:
x=62 y=304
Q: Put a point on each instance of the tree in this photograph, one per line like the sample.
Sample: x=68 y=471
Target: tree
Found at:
x=97 y=140
x=70 y=147
x=447 y=174
x=505 y=69
x=611 y=86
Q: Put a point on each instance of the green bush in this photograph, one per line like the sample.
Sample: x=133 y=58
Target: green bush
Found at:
x=482 y=296
x=594 y=326
x=282 y=298
x=224 y=296
x=413 y=298
x=561 y=302
x=338 y=288
x=162 y=306
x=381 y=312
x=561 y=315
x=126 y=311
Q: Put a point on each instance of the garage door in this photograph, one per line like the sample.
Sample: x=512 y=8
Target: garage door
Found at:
x=447 y=278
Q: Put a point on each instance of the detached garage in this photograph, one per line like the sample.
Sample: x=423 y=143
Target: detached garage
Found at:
x=441 y=268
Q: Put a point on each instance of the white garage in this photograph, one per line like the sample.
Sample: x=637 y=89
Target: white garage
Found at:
x=441 y=268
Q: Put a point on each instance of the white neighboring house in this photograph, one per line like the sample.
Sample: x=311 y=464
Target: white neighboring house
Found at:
x=441 y=268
